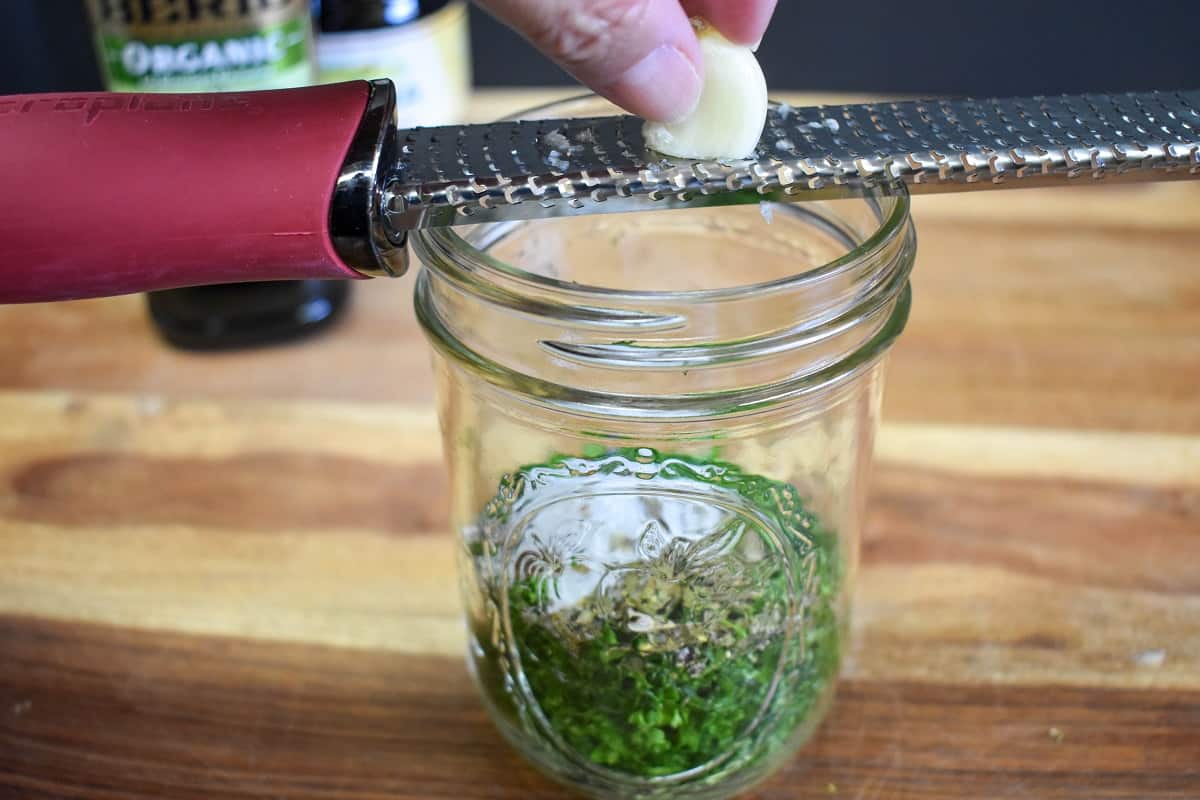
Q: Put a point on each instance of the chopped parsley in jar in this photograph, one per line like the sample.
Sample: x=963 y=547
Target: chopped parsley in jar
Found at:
x=656 y=619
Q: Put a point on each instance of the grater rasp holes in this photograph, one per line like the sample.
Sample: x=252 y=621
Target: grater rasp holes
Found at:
x=530 y=169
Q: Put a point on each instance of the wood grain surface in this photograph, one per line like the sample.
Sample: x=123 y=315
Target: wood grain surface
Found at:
x=230 y=576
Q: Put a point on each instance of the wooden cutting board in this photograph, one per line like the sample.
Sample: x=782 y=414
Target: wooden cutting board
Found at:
x=231 y=576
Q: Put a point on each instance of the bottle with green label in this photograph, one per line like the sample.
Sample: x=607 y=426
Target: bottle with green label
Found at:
x=204 y=45
x=219 y=45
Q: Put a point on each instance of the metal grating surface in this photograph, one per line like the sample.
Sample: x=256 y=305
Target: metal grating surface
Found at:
x=516 y=170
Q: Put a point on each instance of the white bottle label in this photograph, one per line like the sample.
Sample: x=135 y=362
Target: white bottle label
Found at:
x=429 y=60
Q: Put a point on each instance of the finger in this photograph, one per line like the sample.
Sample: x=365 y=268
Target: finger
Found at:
x=741 y=21
x=641 y=54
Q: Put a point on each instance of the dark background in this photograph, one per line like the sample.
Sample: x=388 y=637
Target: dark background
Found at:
x=943 y=47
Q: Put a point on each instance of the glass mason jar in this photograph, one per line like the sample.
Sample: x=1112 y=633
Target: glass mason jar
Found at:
x=658 y=428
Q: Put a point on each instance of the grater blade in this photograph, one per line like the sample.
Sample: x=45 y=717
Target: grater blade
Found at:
x=552 y=168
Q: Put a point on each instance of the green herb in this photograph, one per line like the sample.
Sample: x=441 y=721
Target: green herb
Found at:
x=689 y=657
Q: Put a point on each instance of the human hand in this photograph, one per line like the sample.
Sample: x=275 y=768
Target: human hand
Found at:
x=641 y=54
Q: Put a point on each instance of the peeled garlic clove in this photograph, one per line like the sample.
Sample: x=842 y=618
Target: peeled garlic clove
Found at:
x=728 y=121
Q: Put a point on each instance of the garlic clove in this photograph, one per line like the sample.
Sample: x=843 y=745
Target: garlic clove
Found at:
x=729 y=118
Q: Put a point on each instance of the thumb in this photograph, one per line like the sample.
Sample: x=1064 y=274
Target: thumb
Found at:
x=641 y=54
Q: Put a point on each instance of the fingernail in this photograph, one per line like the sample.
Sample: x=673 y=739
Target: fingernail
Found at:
x=663 y=87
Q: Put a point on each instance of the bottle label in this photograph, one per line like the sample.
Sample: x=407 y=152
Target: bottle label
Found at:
x=428 y=59
x=218 y=45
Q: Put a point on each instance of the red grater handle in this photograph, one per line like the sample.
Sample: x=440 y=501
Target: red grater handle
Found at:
x=104 y=194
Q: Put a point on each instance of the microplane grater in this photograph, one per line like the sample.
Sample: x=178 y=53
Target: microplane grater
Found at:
x=318 y=182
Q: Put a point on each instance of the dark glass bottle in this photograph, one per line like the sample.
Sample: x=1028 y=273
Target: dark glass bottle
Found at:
x=231 y=46
x=358 y=15
x=232 y=315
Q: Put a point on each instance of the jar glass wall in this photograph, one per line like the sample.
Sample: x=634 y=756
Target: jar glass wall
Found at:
x=658 y=428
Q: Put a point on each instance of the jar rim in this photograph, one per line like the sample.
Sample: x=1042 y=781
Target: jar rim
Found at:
x=651 y=408
x=872 y=271
x=471 y=263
